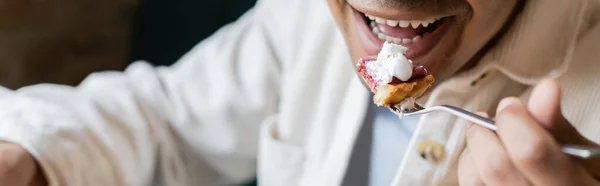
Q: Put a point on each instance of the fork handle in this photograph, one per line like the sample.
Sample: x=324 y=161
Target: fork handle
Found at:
x=584 y=152
x=469 y=116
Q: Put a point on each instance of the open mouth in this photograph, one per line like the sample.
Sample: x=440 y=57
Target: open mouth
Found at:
x=419 y=35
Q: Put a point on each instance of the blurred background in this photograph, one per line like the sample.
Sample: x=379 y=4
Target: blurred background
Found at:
x=61 y=41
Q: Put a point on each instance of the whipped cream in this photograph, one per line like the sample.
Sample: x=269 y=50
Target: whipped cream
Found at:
x=390 y=63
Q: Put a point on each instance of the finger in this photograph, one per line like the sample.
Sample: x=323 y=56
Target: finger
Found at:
x=17 y=167
x=490 y=158
x=532 y=149
x=467 y=173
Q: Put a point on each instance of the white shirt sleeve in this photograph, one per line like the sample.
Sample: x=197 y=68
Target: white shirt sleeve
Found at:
x=120 y=128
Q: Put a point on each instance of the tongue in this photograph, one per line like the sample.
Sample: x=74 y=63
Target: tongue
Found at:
x=399 y=32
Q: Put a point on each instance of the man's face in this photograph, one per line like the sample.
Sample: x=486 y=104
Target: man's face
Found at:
x=448 y=32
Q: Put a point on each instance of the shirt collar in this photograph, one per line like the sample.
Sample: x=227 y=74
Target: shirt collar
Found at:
x=539 y=42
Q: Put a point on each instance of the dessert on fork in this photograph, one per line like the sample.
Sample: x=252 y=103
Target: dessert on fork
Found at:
x=393 y=78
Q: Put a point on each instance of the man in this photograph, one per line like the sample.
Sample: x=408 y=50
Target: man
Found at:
x=283 y=68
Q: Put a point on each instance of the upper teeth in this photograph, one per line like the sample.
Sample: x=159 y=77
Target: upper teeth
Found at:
x=403 y=23
x=399 y=41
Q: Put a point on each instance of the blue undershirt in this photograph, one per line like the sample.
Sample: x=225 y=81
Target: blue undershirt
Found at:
x=390 y=139
x=379 y=148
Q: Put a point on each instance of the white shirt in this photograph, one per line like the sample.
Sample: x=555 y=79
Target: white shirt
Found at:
x=275 y=94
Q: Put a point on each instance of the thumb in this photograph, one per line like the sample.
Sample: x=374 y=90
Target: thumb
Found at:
x=544 y=106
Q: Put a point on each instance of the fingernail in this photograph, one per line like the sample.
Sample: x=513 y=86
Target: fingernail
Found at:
x=483 y=114
x=505 y=103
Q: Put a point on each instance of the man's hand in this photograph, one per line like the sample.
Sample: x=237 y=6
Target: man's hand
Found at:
x=525 y=148
x=17 y=167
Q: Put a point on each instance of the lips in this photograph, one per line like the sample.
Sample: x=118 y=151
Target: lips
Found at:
x=419 y=35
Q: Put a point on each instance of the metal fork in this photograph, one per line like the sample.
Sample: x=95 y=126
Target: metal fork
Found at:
x=583 y=152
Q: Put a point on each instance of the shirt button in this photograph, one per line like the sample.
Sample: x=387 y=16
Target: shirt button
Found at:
x=432 y=151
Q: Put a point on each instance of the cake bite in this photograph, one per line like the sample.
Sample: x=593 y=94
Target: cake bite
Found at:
x=393 y=78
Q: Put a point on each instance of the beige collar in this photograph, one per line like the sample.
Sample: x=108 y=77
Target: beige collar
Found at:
x=539 y=42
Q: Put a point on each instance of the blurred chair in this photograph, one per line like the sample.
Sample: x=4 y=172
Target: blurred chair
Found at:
x=61 y=41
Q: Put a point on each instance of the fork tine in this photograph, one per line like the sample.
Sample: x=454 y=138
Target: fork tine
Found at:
x=419 y=106
x=395 y=110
